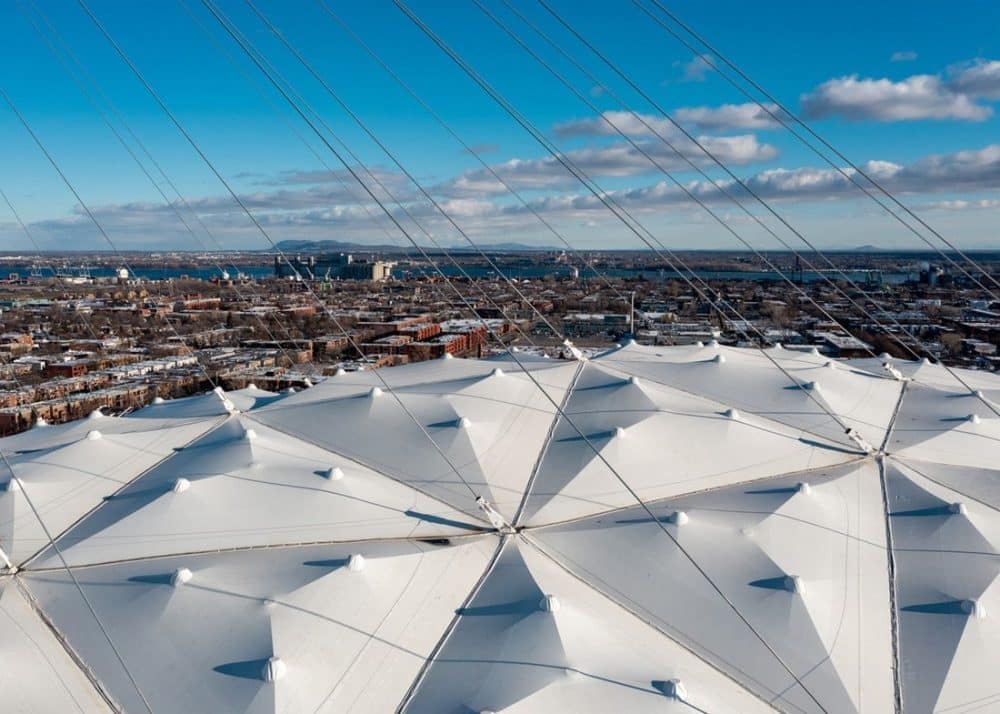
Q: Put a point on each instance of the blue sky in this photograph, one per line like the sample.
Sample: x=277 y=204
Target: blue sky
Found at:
x=909 y=90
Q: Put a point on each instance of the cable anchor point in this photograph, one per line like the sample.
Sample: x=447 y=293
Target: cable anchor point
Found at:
x=896 y=374
x=854 y=436
x=498 y=521
x=6 y=567
x=577 y=354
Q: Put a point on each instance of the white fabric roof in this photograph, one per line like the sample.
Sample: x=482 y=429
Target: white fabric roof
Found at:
x=38 y=673
x=317 y=552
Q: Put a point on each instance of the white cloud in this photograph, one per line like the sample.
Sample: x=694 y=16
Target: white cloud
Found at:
x=974 y=170
x=978 y=78
x=959 y=94
x=921 y=96
x=616 y=160
x=962 y=170
x=640 y=125
x=696 y=69
x=903 y=56
x=970 y=171
x=316 y=213
x=604 y=125
x=962 y=205
x=724 y=117
x=728 y=116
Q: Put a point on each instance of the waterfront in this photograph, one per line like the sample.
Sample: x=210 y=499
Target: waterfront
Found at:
x=472 y=269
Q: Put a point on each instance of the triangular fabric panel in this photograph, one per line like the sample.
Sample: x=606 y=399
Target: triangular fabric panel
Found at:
x=65 y=479
x=488 y=424
x=244 y=484
x=36 y=673
x=779 y=583
x=536 y=638
x=800 y=391
x=261 y=631
x=947 y=591
x=663 y=441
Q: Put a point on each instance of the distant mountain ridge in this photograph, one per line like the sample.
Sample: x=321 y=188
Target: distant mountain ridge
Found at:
x=328 y=246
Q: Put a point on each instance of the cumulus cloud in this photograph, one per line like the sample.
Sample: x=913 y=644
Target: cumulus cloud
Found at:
x=616 y=160
x=962 y=170
x=299 y=177
x=729 y=116
x=323 y=212
x=282 y=199
x=978 y=78
x=968 y=171
x=697 y=69
x=959 y=94
x=921 y=96
x=605 y=125
x=903 y=56
x=721 y=118
x=961 y=205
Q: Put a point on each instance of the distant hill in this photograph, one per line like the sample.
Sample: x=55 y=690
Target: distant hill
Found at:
x=329 y=246
x=867 y=249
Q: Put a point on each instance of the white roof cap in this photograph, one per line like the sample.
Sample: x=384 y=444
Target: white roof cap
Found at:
x=334 y=473
x=274 y=670
x=549 y=603
x=356 y=563
x=181 y=576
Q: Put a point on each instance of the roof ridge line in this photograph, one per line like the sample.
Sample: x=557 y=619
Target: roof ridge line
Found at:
x=271 y=546
x=556 y=417
x=439 y=645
